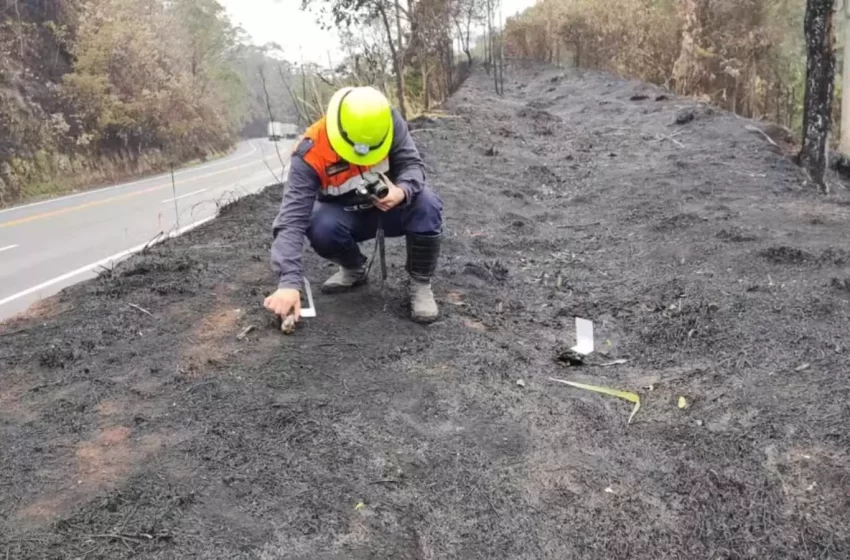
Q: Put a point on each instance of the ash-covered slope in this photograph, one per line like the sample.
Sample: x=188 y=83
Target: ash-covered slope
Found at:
x=693 y=247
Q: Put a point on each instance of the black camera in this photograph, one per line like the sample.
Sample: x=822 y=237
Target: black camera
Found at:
x=371 y=184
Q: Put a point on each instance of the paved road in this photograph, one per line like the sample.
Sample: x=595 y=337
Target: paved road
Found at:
x=49 y=245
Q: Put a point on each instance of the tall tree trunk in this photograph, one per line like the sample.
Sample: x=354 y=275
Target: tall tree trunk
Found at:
x=845 y=89
x=686 y=68
x=501 y=51
x=425 y=90
x=402 y=98
x=304 y=87
x=820 y=77
x=487 y=54
x=549 y=35
x=449 y=80
x=396 y=53
x=466 y=42
x=763 y=104
x=791 y=108
x=452 y=61
x=491 y=9
x=489 y=43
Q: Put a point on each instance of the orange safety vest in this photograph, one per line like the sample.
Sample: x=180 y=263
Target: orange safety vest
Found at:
x=337 y=176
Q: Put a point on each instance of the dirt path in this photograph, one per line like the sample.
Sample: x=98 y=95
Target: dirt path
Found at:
x=693 y=247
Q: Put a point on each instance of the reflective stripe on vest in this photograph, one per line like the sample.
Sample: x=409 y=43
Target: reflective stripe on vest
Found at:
x=337 y=177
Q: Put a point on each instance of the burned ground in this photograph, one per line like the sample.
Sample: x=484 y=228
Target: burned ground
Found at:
x=135 y=422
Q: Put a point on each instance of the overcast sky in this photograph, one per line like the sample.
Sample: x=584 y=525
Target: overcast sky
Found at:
x=283 y=22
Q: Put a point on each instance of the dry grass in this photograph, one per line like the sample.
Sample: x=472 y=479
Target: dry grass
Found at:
x=743 y=55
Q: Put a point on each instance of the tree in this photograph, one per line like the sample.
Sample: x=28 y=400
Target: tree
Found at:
x=845 y=87
x=254 y=65
x=368 y=58
x=148 y=74
x=820 y=84
x=465 y=13
x=397 y=50
x=419 y=37
x=348 y=13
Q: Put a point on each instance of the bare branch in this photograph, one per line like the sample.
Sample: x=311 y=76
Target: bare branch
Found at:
x=271 y=115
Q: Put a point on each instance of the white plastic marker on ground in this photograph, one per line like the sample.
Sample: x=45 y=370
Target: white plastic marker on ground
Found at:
x=584 y=346
x=584 y=337
x=311 y=310
x=287 y=325
x=7 y=248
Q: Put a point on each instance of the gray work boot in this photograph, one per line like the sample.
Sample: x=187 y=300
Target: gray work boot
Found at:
x=344 y=280
x=423 y=307
x=423 y=252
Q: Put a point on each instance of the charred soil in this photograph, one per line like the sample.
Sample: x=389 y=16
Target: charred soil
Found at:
x=694 y=247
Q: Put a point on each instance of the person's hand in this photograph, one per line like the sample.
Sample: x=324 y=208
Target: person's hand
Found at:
x=395 y=197
x=285 y=301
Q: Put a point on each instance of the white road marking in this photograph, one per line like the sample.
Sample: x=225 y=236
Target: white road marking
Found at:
x=7 y=248
x=184 y=196
x=123 y=185
x=113 y=258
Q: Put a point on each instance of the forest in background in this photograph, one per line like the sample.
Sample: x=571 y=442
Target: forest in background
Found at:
x=93 y=91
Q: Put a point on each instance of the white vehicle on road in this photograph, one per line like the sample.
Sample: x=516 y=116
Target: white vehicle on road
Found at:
x=279 y=131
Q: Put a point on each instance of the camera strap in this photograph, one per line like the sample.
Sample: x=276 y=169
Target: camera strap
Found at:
x=379 y=252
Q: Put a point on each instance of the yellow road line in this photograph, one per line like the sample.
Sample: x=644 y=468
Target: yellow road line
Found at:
x=61 y=211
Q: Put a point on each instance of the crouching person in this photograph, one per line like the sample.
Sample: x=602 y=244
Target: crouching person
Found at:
x=362 y=141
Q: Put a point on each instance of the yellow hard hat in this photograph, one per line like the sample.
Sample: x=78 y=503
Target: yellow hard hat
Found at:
x=360 y=125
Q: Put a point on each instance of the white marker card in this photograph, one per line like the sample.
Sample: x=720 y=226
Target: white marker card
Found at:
x=311 y=310
x=584 y=337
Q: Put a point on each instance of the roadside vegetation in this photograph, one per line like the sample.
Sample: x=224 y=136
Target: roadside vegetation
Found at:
x=93 y=91
x=96 y=90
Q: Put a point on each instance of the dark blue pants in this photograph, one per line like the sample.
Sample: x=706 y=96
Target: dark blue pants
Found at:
x=334 y=233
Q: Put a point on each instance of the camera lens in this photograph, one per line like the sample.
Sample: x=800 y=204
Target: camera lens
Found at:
x=381 y=190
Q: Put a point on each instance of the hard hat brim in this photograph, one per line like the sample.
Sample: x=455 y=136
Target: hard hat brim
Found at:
x=345 y=150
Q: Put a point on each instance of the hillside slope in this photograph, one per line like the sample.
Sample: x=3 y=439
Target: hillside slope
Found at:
x=694 y=248
x=32 y=63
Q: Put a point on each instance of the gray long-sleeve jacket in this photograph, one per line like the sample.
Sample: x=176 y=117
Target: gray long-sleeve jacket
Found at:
x=407 y=171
